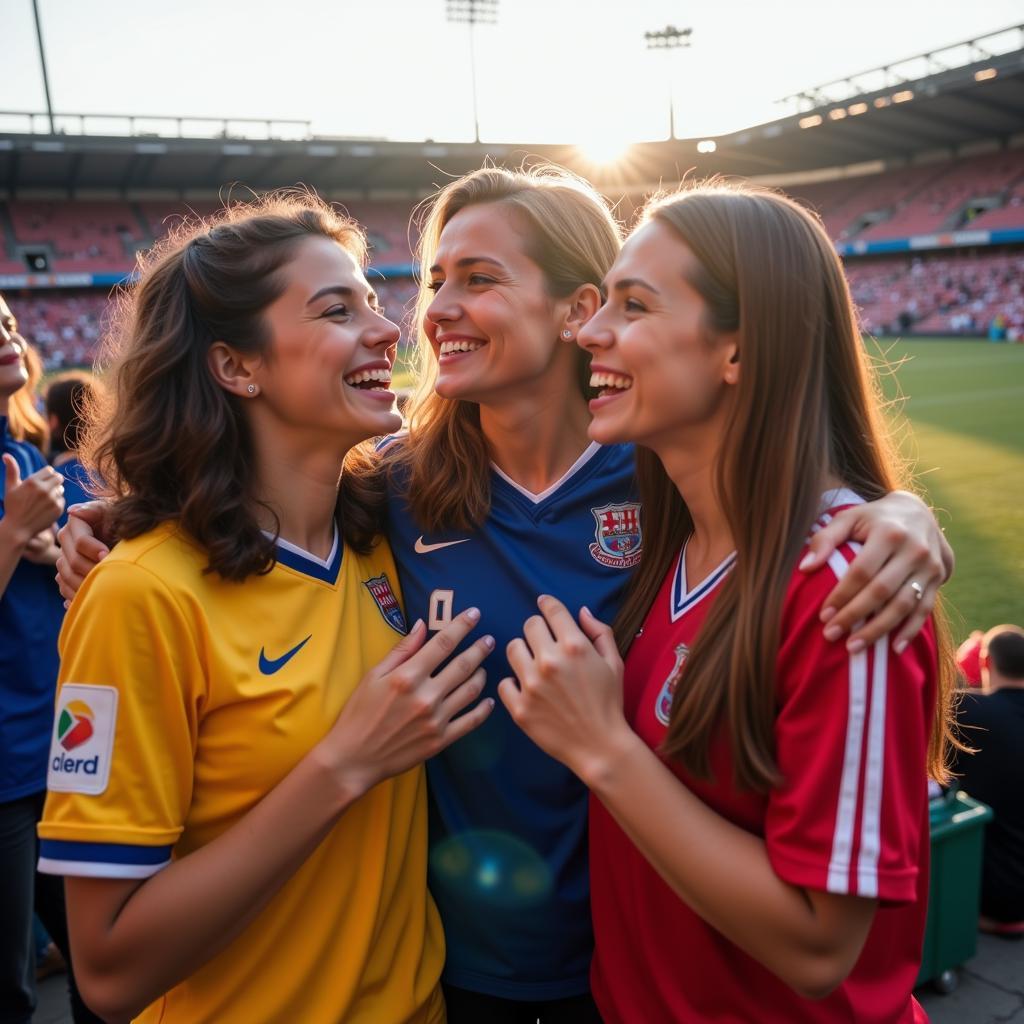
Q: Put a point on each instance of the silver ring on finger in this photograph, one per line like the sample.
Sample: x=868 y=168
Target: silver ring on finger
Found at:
x=917 y=589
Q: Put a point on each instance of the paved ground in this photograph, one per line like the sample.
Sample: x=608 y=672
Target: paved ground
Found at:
x=991 y=991
x=991 y=987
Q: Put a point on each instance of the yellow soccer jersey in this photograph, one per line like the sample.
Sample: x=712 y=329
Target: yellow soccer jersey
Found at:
x=183 y=700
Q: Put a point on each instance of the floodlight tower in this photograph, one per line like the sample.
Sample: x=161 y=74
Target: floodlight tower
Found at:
x=473 y=13
x=42 y=64
x=669 y=38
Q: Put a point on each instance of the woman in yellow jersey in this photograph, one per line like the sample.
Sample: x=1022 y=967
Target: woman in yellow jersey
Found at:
x=236 y=798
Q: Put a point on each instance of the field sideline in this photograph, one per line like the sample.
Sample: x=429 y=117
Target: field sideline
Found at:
x=964 y=401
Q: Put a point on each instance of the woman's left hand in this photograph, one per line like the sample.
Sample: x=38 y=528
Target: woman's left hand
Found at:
x=569 y=697
x=894 y=579
x=42 y=548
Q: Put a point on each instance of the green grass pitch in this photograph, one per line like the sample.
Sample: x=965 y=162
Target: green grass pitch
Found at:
x=964 y=401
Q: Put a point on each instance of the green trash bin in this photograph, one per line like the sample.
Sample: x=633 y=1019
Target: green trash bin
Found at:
x=951 y=931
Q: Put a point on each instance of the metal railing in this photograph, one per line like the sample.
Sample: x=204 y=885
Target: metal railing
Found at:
x=896 y=73
x=155 y=126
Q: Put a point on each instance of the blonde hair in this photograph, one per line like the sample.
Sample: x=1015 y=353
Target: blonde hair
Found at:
x=24 y=420
x=574 y=239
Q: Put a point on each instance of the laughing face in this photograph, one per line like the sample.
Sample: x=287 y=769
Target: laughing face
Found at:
x=659 y=368
x=13 y=369
x=493 y=326
x=329 y=365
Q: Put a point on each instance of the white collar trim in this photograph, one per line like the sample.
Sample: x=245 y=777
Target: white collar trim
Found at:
x=838 y=497
x=592 y=449
x=303 y=553
x=682 y=600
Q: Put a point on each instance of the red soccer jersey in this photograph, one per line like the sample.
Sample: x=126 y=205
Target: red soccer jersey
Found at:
x=851 y=816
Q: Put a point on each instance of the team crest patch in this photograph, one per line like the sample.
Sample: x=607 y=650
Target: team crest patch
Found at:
x=663 y=707
x=617 y=535
x=83 y=739
x=380 y=590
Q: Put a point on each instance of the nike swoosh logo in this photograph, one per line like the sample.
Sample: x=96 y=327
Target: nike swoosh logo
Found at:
x=268 y=666
x=421 y=547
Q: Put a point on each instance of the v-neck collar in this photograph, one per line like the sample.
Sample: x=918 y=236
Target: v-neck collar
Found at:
x=307 y=563
x=681 y=600
x=537 y=499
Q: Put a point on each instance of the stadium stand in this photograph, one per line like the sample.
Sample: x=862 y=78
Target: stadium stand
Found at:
x=98 y=237
x=952 y=198
x=159 y=218
x=67 y=326
x=849 y=205
x=102 y=238
x=923 y=199
x=75 y=236
x=387 y=224
x=947 y=291
x=984 y=191
x=1009 y=215
x=941 y=293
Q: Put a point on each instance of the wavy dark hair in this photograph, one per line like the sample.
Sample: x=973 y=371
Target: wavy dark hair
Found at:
x=167 y=440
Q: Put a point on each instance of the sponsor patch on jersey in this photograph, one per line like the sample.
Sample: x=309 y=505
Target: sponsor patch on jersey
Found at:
x=380 y=590
x=83 y=739
x=617 y=535
x=663 y=705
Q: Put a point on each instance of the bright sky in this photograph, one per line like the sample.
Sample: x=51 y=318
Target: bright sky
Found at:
x=549 y=71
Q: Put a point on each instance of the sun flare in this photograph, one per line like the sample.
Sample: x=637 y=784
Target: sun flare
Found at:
x=604 y=149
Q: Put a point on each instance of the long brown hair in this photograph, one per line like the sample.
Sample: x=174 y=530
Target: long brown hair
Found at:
x=24 y=420
x=169 y=443
x=574 y=239
x=807 y=408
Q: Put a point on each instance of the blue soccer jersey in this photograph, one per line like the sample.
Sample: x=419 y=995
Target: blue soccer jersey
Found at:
x=77 y=485
x=31 y=612
x=508 y=824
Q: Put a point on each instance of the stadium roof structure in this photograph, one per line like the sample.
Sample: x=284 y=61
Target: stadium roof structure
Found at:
x=881 y=117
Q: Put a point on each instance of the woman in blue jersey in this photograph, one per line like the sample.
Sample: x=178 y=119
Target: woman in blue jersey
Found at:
x=235 y=792
x=31 y=499
x=496 y=495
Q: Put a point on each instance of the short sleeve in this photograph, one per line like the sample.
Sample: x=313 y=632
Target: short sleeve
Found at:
x=121 y=755
x=851 y=742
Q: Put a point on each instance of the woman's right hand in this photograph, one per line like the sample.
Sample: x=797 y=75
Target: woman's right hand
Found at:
x=400 y=714
x=81 y=545
x=30 y=505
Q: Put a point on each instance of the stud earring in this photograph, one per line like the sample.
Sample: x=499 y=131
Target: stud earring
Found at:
x=251 y=389
x=567 y=334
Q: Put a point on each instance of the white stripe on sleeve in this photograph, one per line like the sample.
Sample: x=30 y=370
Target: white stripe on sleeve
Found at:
x=871 y=821
x=96 y=869
x=842 y=839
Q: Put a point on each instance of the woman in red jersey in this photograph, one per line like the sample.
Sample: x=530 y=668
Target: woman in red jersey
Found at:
x=759 y=829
